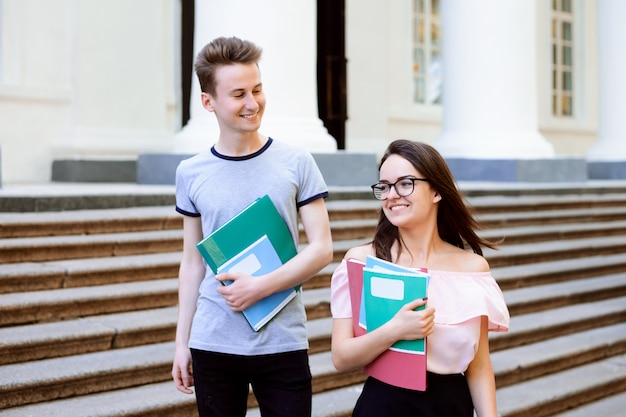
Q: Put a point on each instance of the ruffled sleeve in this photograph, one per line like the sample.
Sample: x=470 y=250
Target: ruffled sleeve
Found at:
x=340 y=306
x=461 y=296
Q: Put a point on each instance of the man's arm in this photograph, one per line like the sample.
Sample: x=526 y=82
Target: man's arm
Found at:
x=190 y=276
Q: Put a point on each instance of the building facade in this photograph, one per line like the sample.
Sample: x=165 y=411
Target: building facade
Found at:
x=521 y=80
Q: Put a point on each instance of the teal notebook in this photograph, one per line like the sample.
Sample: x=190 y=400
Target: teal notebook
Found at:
x=384 y=294
x=378 y=264
x=256 y=241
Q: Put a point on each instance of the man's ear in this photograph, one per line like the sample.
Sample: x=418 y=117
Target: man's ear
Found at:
x=207 y=101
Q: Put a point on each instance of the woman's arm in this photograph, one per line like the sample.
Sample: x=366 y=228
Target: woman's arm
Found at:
x=349 y=352
x=480 y=377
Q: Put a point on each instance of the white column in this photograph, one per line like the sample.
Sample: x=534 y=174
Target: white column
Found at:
x=490 y=86
x=611 y=144
x=286 y=30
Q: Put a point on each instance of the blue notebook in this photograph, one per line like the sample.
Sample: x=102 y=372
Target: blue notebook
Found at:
x=257 y=230
x=258 y=259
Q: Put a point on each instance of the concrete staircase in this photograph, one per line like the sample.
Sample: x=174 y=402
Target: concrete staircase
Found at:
x=88 y=303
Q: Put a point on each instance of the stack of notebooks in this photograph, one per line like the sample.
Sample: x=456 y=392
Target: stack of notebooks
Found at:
x=378 y=290
x=255 y=242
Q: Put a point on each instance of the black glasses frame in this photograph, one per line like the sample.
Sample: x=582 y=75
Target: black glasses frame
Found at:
x=378 y=195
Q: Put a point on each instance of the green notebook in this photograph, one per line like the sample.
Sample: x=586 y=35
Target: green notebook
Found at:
x=256 y=241
x=258 y=219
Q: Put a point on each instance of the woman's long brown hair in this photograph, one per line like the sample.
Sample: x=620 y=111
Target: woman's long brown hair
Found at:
x=455 y=221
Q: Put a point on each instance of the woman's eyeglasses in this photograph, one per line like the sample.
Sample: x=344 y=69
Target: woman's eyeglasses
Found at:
x=404 y=187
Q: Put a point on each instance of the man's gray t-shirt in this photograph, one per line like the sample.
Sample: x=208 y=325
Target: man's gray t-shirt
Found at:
x=217 y=187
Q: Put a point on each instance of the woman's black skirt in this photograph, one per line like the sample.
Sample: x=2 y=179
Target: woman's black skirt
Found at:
x=445 y=396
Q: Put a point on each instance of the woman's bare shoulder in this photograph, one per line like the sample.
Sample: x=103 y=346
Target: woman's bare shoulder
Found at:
x=472 y=262
x=460 y=260
x=359 y=252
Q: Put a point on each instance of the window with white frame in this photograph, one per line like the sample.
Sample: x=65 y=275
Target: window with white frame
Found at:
x=427 y=74
x=562 y=58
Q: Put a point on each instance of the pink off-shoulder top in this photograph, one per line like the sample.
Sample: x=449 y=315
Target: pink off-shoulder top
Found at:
x=460 y=299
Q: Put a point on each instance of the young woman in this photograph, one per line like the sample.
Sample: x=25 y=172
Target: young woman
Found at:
x=424 y=222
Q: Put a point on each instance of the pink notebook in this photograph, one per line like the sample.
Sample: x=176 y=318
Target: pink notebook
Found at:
x=400 y=369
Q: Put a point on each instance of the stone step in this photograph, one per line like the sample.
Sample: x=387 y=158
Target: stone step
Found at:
x=72 y=273
x=80 y=222
x=508 y=234
x=33 y=342
x=149 y=400
x=162 y=399
x=562 y=281
x=540 y=326
x=134 y=219
x=67 y=303
x=51 y=379
x=102 y=245
x=551 y=232
x=528 y=253
x=28 y=198
x=557 y=392
x=572 y=215
x=64 y=303
x=522 y=363
x=86 y=272
x=601 y=338
x=549 y=296
x=530 y=190
x=51 y=248
x=533 y=358
x=129 y=219
x=539 y=273
x=94 y=196
x=47 y=249
x=100 y=332
x=349 y=209
x=543 y=200
x=612 y=406
x=90 y=373
x=37 y=306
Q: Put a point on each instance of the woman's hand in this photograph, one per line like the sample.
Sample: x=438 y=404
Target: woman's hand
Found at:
x=409 y=324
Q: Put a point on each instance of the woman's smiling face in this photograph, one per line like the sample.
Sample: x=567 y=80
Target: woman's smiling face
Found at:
x=404 y=211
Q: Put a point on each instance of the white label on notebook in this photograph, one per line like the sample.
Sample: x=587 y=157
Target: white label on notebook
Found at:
x=248 y=265
x=387 y=288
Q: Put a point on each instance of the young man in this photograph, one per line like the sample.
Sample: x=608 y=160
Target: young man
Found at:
x=217 y=351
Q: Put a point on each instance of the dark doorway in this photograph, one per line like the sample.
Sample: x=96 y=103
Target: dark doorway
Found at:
x=331 y=68
x=187 y=58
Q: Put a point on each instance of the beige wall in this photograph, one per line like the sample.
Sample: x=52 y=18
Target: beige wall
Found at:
x=99 y=79
x=83 y=77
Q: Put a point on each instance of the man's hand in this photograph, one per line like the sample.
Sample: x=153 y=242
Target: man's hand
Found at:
x=244 y=290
